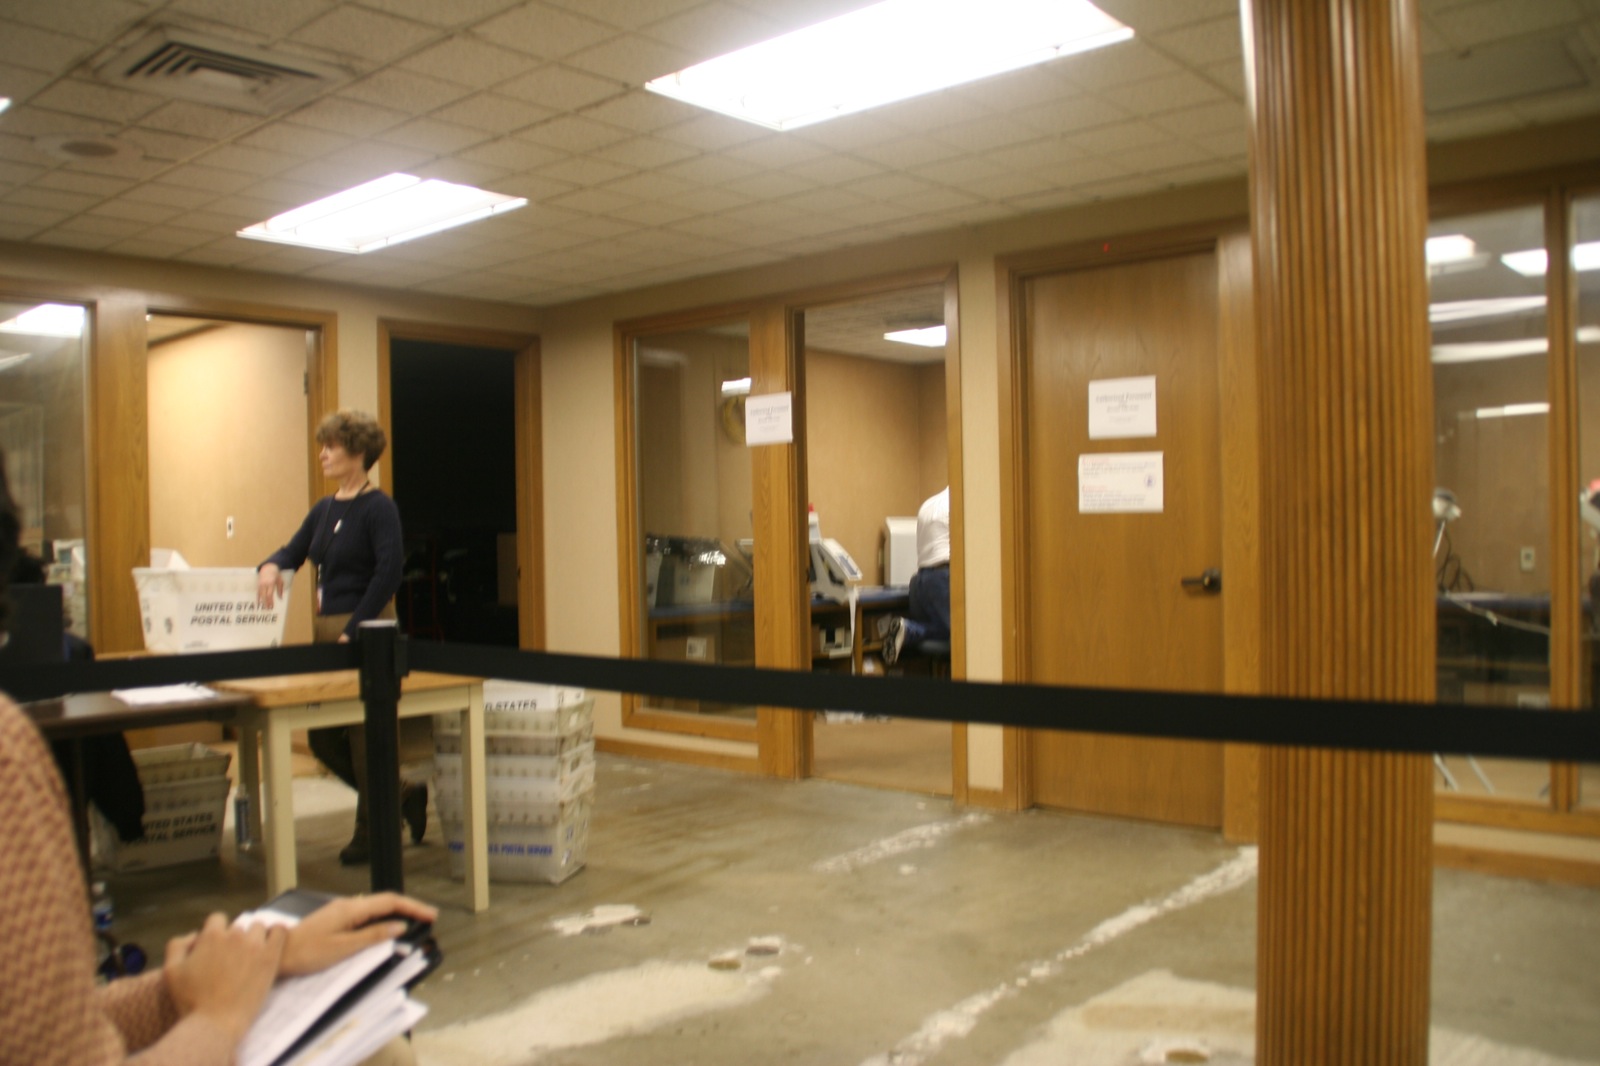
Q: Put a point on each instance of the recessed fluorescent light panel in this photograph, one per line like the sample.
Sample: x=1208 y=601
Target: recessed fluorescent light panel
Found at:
x=890 y=51
x=1450 y=249
x=1535 y=261
x=47 y=320
x=931 y=337
x=386 y=211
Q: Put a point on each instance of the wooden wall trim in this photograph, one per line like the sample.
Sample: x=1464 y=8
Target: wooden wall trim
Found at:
x=1016 y=781
x=119 y=480
x=629 y=576
x=1547 y=868
x=693 y=725
x=1505 y=814
x=956 y=474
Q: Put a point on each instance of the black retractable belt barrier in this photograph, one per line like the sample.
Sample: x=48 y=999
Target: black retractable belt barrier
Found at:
x=383 y=664
x=1362 y=725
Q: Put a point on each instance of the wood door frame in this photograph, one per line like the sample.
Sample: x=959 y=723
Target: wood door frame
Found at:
x=528 y=414
x=1227 y=240
x=116 y=426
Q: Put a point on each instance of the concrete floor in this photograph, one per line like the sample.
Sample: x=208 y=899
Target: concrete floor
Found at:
x=827 y=923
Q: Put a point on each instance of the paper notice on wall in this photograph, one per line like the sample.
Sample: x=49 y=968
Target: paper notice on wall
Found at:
x=1120 y=483
x=1122 y=407
x=769 y=419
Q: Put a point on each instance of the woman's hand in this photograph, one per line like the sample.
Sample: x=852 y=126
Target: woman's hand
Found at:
x=340 y=928
x=269 y=584
x=224 y=973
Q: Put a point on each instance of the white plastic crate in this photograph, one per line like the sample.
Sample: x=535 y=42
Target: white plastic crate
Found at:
x=519 y=743
x=185 y=795
x=527 y=696
x=517 y=782
x=179 y=762
x=551 y=850
x=557 y=720
x=207 y=609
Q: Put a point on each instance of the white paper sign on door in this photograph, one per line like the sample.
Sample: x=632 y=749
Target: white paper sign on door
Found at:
x=769 y=419
x=1121 y=483
x=1122 y=407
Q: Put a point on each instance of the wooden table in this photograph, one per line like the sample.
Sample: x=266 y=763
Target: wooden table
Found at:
x=72 y=718
x=280 y=705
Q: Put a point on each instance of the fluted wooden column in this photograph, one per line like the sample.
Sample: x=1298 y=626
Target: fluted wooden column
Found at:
x=1338 y=201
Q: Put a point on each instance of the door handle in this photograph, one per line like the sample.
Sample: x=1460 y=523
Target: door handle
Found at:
x=1208 y=580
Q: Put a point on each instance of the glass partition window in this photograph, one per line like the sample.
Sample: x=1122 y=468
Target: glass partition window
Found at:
x=1491 y=505
x=1586 y=274
x=693 y=480
x=42 y=360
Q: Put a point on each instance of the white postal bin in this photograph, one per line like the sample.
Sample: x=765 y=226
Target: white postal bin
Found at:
x=207 y=609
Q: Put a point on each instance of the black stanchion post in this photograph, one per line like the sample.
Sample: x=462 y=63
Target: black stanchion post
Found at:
x=382 y=667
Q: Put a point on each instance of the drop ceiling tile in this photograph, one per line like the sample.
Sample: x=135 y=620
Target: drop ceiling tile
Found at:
x=1036 y=155
x=20 y=84
x=764 y=218
x=642 y=112
x=20 y=173
x=986 y=134
x=1154 y=16
x=1229 y=144
x=151 y=244
x=1495 y=20
x=1161 y=156
x=37 y=217
x=512 y=153
x=136 y=169
x=592 y=201
x=1119 y=137
x=199 y=120
x=436 y=138
x=415 y=94
x=716 y=133
x=464 y=173
x=711 y=170
x=135 y=211
x=153 y=192
x=1007 y=185
x=93 y=184
x=253 y=161
x=215 y=220
x=960 y=169
x=12 y=229
x=1117 y=65
x=645 y=153
x=888 y=187
x=714 y=29
x=652 y=213
x=532 y=186
x=214 y=180
x=560 y=88
x=850 y=132
x=1200 y=173
x=572 y=134
x=1201 y=43
x=1071 y=116
x=911 y=152
x=469 y=61
x=1474 y=122
x=69 y=203
x=271 y=20
x=1161 y=95
x=938 y=200
x=454 y=14
x=229 y=251
x=716 y=227
x=1226 y=117
x=1557 y=107
x=934 y=111
x=1053 y=200
x=354 y=118
x=44 y=50
x=976 y=214
x=113 y=228
x=777 y=153
x=172 y=147
x=628 y=14
x=649 y=185
x=1019 y=89
x=770 y=185
x=1227 y=76
x=541 y=31
x=493 y=113
x=89 y=19
x=1113 y=189
x=836 y=170
x=84 y=241
x=595 y=227
x=704 y=200
x=74 y=96
x=873 y=213
x=352 y=31
x=630 y=59
x=584 y=170
x=27 y=121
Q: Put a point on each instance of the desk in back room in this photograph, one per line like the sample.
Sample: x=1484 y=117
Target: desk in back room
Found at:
x=280 y=705
x=726 y=631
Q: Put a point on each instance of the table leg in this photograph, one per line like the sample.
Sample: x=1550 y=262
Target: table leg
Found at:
x=278 y=806
x=250 y=773
x=474 y=789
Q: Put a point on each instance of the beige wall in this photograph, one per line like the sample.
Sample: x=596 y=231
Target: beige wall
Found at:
x=875 y=441
x=228 y=436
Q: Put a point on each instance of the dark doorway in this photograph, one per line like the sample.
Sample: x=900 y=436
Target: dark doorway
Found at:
x=453 y=412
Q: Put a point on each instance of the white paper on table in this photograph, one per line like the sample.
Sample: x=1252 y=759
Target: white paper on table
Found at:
x=144 y=697
x=1121 y=483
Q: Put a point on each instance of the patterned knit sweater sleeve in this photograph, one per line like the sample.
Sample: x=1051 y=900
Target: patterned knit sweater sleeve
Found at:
x=51 y=1011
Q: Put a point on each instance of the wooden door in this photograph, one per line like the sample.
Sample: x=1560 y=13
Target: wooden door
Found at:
x=1107 y=606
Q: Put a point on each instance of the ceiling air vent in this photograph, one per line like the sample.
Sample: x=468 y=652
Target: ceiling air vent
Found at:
x=191 y=66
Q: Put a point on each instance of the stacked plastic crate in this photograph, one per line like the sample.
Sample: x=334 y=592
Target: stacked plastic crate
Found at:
x=185 y=797
x=539 y=756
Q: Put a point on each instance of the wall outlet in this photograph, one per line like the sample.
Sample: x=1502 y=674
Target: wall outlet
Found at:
x=230 y=529
x=1525 y=558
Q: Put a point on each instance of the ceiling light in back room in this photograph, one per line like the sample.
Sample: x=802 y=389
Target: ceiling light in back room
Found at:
x=889 y=51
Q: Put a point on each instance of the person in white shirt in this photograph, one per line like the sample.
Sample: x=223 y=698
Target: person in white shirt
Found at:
x=929 y=606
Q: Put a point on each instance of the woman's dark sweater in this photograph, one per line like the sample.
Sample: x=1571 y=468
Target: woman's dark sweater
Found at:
x=358 y=552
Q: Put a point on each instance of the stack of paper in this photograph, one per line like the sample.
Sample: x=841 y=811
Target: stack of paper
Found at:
x=346 y=1013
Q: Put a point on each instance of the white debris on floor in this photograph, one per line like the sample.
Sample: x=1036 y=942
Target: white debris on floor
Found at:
x=913 y=839
x=603 y=917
